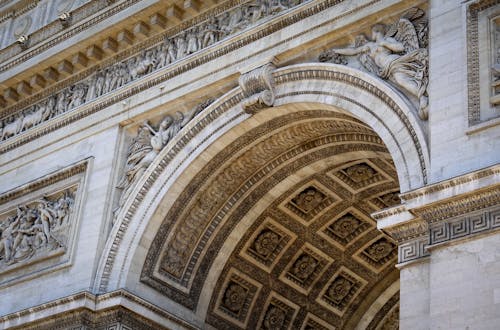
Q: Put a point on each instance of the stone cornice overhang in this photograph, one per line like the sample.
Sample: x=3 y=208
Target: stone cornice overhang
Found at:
x=59 y=309
x=238 y=41
x=69 y=50
x=443 y=212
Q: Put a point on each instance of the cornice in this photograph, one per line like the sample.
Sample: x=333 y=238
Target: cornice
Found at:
x=203 y=56
x=54 y=32
x=95 y=303
x=446 y=211
x=450 y=183
x=459 y=205
x=44 y=181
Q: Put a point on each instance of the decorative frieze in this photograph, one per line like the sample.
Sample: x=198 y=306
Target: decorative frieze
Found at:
x=463 y=226
x=444 y=212
x=38 y=222
x=396 y=53
x=173 y=49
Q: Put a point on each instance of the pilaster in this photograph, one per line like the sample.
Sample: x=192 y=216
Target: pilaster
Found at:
x=447 y=235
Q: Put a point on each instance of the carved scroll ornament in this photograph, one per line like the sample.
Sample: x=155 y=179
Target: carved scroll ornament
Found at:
x=258 y=88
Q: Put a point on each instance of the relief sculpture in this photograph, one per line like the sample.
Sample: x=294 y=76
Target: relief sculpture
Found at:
x=172 y=49
x=35 y=229
x=395 y=53
x=148 y=143
x=495 y=69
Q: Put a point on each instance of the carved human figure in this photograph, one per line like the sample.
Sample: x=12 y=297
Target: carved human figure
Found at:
x=6 y=238
x=192 y=41
x=99 y=84
x=142 y=66
x=12 y=126
x=108 y=76
x=45 y=217
x=181 y=45
x=62 y=102
x=395 y=56
x=161 y=56
x=147 y=145
x=78 y=96
x=62 y=209
x=210 y=33
x=236 y=20
x=170 y=51
x=496 y=65
x=123 y=76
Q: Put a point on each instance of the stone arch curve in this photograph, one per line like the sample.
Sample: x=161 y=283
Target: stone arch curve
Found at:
x=336 y=88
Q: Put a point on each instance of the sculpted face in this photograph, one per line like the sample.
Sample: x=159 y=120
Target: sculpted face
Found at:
x=378 y=31
x=166 y=122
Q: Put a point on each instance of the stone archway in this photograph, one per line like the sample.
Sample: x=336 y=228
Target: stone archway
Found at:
x=328 y=118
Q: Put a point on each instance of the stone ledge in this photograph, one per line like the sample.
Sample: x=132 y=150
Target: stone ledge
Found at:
x=73 y=309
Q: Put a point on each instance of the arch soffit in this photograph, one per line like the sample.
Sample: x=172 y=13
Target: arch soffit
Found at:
x=335 y=87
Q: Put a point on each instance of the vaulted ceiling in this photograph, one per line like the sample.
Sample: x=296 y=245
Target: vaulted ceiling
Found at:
x=309 y=255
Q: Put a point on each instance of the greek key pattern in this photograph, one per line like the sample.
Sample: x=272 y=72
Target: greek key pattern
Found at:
x=464 y=226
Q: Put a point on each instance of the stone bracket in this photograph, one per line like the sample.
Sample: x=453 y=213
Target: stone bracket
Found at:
x=258 y=88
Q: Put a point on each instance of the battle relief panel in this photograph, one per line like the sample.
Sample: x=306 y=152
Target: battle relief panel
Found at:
x=483 y=60
x=38 y=222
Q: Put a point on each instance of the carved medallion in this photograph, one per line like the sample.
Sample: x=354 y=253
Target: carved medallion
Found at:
x=308 y=199
x=266 y=243
x=234 y=297
x=347 y=228
x=360 y=172
x=377 y=254
x=341 y=290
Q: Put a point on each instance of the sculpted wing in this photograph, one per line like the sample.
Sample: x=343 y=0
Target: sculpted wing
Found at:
x=407 y=35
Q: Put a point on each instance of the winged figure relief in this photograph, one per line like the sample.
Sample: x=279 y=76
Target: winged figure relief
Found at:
x=396 y=53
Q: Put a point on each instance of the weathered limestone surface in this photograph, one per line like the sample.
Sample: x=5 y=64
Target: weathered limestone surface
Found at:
x=464 y=284
x=231 y=176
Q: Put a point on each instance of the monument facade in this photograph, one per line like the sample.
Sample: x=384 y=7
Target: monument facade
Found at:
x=264 y=164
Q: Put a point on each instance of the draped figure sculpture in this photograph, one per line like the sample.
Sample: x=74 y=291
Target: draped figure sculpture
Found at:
x=396 y=54
x=147 y=144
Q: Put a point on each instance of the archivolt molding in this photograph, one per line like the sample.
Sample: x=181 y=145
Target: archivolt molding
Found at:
x=202 y=209
x=298 y=77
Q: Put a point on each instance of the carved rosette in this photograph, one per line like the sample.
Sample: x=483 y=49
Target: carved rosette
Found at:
x=258 y=89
